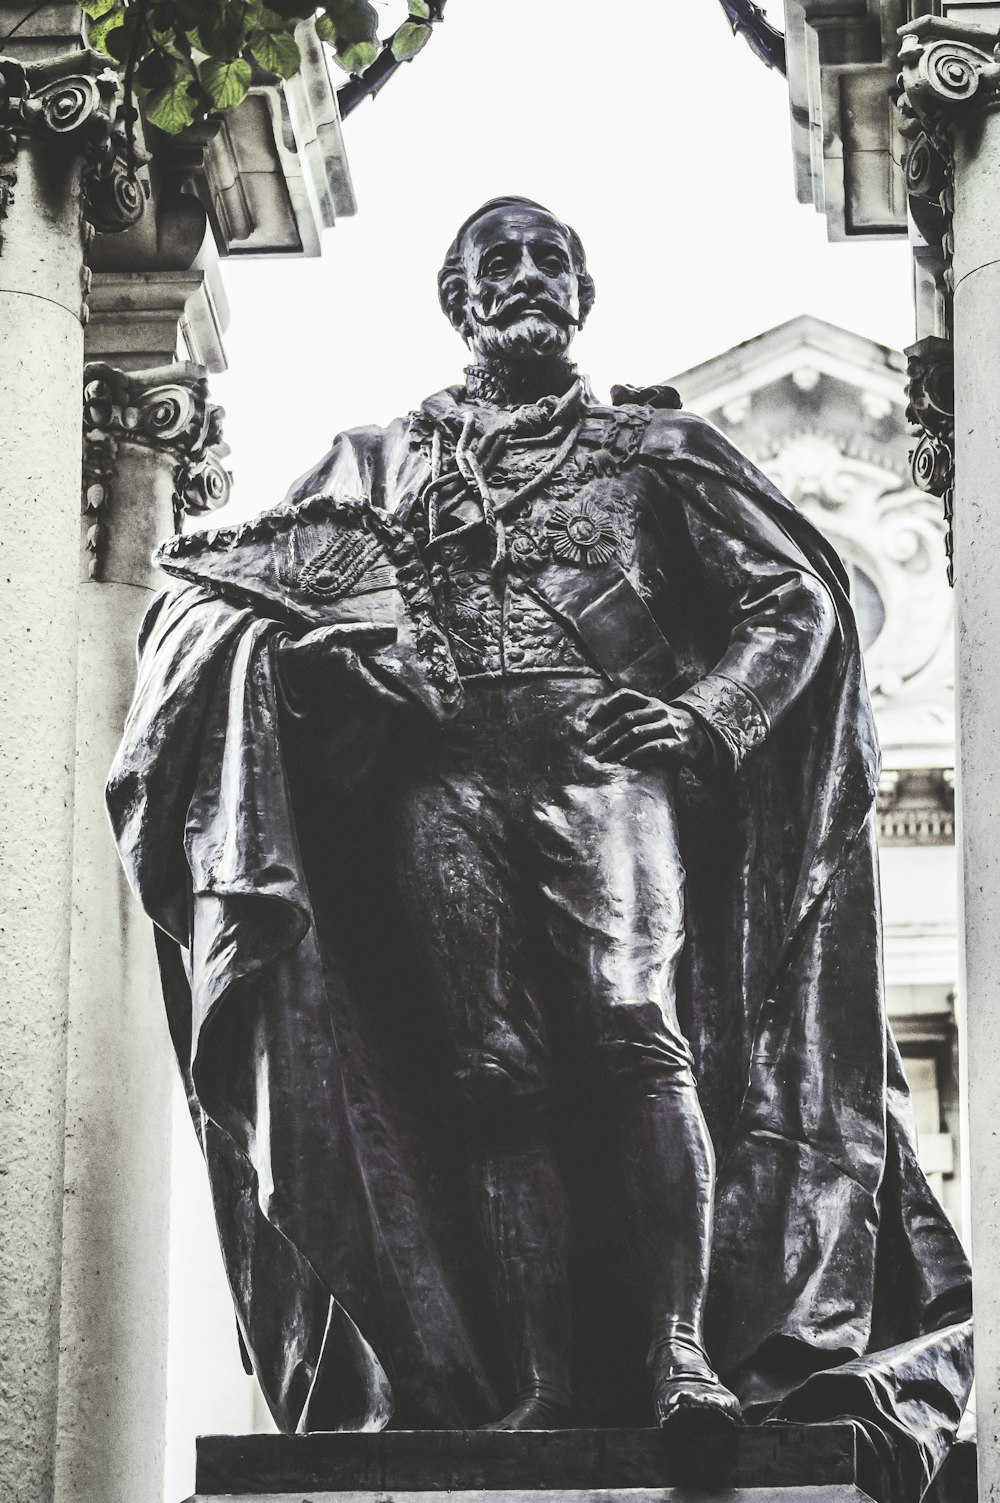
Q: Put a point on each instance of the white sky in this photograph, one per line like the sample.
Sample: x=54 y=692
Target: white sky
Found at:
x=644 y=123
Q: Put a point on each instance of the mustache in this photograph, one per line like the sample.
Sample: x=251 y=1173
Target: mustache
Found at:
x=506 y=312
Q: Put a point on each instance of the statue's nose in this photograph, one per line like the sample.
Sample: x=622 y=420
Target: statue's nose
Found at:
x=528 y=275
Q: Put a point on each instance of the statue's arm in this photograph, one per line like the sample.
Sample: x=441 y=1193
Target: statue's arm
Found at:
x=780 y=613
x=782 y=619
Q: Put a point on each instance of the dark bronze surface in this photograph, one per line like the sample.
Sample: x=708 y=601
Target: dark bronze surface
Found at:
x=504 y=805
x=771 y=1456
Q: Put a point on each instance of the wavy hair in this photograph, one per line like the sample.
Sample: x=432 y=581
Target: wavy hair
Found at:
x=452 y=285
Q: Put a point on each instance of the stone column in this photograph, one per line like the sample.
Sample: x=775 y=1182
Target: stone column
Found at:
x=951 y=82
x=60 y=168
x=151 y=455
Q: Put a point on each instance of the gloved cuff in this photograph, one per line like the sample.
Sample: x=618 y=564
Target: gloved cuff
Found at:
x=733 y=717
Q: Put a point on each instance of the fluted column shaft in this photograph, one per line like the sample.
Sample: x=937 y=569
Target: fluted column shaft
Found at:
x=951 y=80
x=151 y=453
x=60 y=171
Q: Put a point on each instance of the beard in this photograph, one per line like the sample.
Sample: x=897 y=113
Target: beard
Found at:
x=531 y=335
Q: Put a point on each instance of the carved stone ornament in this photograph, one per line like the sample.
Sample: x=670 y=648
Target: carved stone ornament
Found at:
x=890 y=537
x=70 y=101
x=167 y=410
x=943 y=64
x=930 y=391
x=945 y=72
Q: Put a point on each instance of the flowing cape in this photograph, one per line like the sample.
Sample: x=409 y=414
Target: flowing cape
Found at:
x=315 y=1077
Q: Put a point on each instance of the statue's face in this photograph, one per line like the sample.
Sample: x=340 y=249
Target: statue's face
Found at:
x=523 y=298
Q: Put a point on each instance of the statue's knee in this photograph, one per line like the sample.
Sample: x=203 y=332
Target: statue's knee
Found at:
x=505 y=1098
x=638 y=1049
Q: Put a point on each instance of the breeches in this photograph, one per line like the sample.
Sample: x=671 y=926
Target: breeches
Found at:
x=545 y=893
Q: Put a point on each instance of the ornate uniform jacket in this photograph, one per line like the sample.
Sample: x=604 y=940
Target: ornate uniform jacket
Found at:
x=564 y=555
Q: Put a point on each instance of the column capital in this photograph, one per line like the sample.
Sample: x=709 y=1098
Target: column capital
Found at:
x=947 y=64
x=70 y=103
x=949 y=76
x=165 y=411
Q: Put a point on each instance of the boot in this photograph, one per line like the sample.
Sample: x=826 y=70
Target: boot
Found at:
x=524 y=1223
x=669 y=1175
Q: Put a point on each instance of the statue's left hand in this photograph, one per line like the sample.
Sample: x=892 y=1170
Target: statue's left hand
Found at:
x=312 y=666
x=640 y=731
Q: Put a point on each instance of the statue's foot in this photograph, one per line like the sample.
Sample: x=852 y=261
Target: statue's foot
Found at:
x=699 y=1413
x=694 y=1400
x=700 y=1421
x=534 y=1413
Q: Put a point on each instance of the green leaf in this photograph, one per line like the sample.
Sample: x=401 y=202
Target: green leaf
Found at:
x=156 y=72
x=96 y=8
x=326 y=29
x=225 y=33
x=117 y=40
x=166 y=15
x=171 y=108
x=357 y=56
x=187 y=13
x=292 y=10
x=277 y=51
x=420 y=9
x=353 y=21
x=409 y=39
x=99 y=31
x=226 y=80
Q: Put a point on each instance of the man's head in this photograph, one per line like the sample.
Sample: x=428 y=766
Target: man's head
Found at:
x=515 y=283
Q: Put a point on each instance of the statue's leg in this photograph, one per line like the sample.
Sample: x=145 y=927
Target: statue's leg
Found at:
x=524 y=1221
x=462 y=897
x=615 y=881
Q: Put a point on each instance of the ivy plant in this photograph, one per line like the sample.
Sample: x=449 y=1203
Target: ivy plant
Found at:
x=189 y=60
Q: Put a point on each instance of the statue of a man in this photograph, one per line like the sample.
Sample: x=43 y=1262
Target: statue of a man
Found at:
x=504 y=804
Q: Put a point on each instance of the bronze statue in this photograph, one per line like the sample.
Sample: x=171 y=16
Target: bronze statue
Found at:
x=504 y=804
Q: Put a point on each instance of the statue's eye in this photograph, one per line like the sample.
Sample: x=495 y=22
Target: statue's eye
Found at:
x=495 y=263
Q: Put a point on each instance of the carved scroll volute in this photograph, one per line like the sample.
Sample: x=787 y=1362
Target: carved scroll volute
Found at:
x=945 y=73
x=943 y=64
x=165 y=412
x=71 y=102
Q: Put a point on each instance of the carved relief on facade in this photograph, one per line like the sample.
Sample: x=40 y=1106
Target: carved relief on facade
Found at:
x=890 y=535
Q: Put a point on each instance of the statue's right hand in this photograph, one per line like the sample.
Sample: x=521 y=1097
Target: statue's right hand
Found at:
x=313 y=666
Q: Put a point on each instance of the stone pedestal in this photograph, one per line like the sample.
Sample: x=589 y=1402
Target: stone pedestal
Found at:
x=785 y=1463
